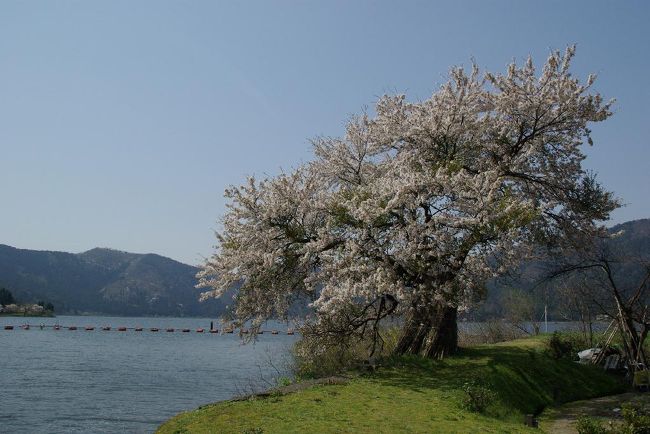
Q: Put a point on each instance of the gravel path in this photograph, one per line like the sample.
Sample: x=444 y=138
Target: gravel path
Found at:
x=561 y=420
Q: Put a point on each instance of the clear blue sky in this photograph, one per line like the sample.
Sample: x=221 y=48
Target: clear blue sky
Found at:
x=121 y=122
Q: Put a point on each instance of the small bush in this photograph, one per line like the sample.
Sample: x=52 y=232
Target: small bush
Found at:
x=283 y=381
x=559 y=347
x=317 y=356
x=589 y=425
x=477 y=396
x=637 y=419
x=566 y=345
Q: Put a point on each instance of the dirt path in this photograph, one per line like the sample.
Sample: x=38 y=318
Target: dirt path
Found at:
x=561 y=420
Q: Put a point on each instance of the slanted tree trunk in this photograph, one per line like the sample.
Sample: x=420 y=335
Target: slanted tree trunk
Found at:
x=444 y=335
x=633 y=340
x=431 y=332
x=628 y=328
x=416 y=327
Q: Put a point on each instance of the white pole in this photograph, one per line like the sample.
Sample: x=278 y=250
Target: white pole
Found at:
x=545 y=319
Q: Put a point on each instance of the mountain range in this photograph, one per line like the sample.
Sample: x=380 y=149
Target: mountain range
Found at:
x=105 y=281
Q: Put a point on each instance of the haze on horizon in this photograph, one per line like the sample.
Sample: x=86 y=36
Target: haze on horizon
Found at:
x=122 y=122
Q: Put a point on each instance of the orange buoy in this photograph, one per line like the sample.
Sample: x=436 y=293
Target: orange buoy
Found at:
x=72 y=328
x=170 y=330
x=153 y=329
x=121 y=329
x=138 y=329
x=274 y=332
x=9 y=327
x=106 y=328
x=89 y=328
x=199 y=330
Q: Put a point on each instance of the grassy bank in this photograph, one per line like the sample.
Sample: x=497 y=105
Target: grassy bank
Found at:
x=415 y=395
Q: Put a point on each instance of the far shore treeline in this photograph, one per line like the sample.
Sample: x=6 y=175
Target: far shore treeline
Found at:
x=10 y=307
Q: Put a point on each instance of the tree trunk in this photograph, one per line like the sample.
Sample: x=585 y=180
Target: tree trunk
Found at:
x=431 y=332
x=444 y=336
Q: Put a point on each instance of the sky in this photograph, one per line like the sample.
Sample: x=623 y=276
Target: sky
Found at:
x=122 y=122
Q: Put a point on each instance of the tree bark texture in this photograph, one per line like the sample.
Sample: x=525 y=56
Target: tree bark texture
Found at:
x=430 y=332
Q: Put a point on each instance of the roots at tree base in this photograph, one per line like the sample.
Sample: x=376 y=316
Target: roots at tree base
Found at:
x=431 y=333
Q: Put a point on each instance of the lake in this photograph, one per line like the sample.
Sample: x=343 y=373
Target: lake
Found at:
x=63 y=381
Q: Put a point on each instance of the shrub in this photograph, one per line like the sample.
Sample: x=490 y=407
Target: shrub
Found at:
x=589 y=425
x=637 y=419
x=317 y=355
x=477 y=396
x=563 y=345
x=283 y=381
x=559 y=347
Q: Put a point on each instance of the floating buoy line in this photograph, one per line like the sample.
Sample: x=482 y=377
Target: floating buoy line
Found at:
x=90 y=328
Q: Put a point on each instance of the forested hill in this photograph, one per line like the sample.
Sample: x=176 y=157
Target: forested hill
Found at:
x=632 y=243
x=635 y=236
x=104 y=281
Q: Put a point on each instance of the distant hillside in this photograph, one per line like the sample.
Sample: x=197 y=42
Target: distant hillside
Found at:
x=632 y=243
x=104 y=281
x=635 y=237
x=109 y=281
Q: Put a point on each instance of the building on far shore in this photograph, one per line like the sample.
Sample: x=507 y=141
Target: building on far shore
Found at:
x=28 y=309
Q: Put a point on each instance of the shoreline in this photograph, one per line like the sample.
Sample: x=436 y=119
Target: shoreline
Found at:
x=365 y=402
x=23 y=315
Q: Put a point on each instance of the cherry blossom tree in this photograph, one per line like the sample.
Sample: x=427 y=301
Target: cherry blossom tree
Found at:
x=418 y=205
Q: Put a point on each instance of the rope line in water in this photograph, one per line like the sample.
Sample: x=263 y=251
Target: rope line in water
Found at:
x=140 y=329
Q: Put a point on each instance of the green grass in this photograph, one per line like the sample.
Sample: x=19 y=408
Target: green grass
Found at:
x=415 y=395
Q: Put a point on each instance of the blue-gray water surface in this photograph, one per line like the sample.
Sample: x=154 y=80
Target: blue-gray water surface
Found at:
x=123 y=382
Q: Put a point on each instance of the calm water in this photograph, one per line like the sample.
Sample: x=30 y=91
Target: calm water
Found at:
x=99 y=381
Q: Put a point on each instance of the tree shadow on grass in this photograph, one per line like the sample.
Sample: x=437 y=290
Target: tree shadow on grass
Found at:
x=523 y=378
